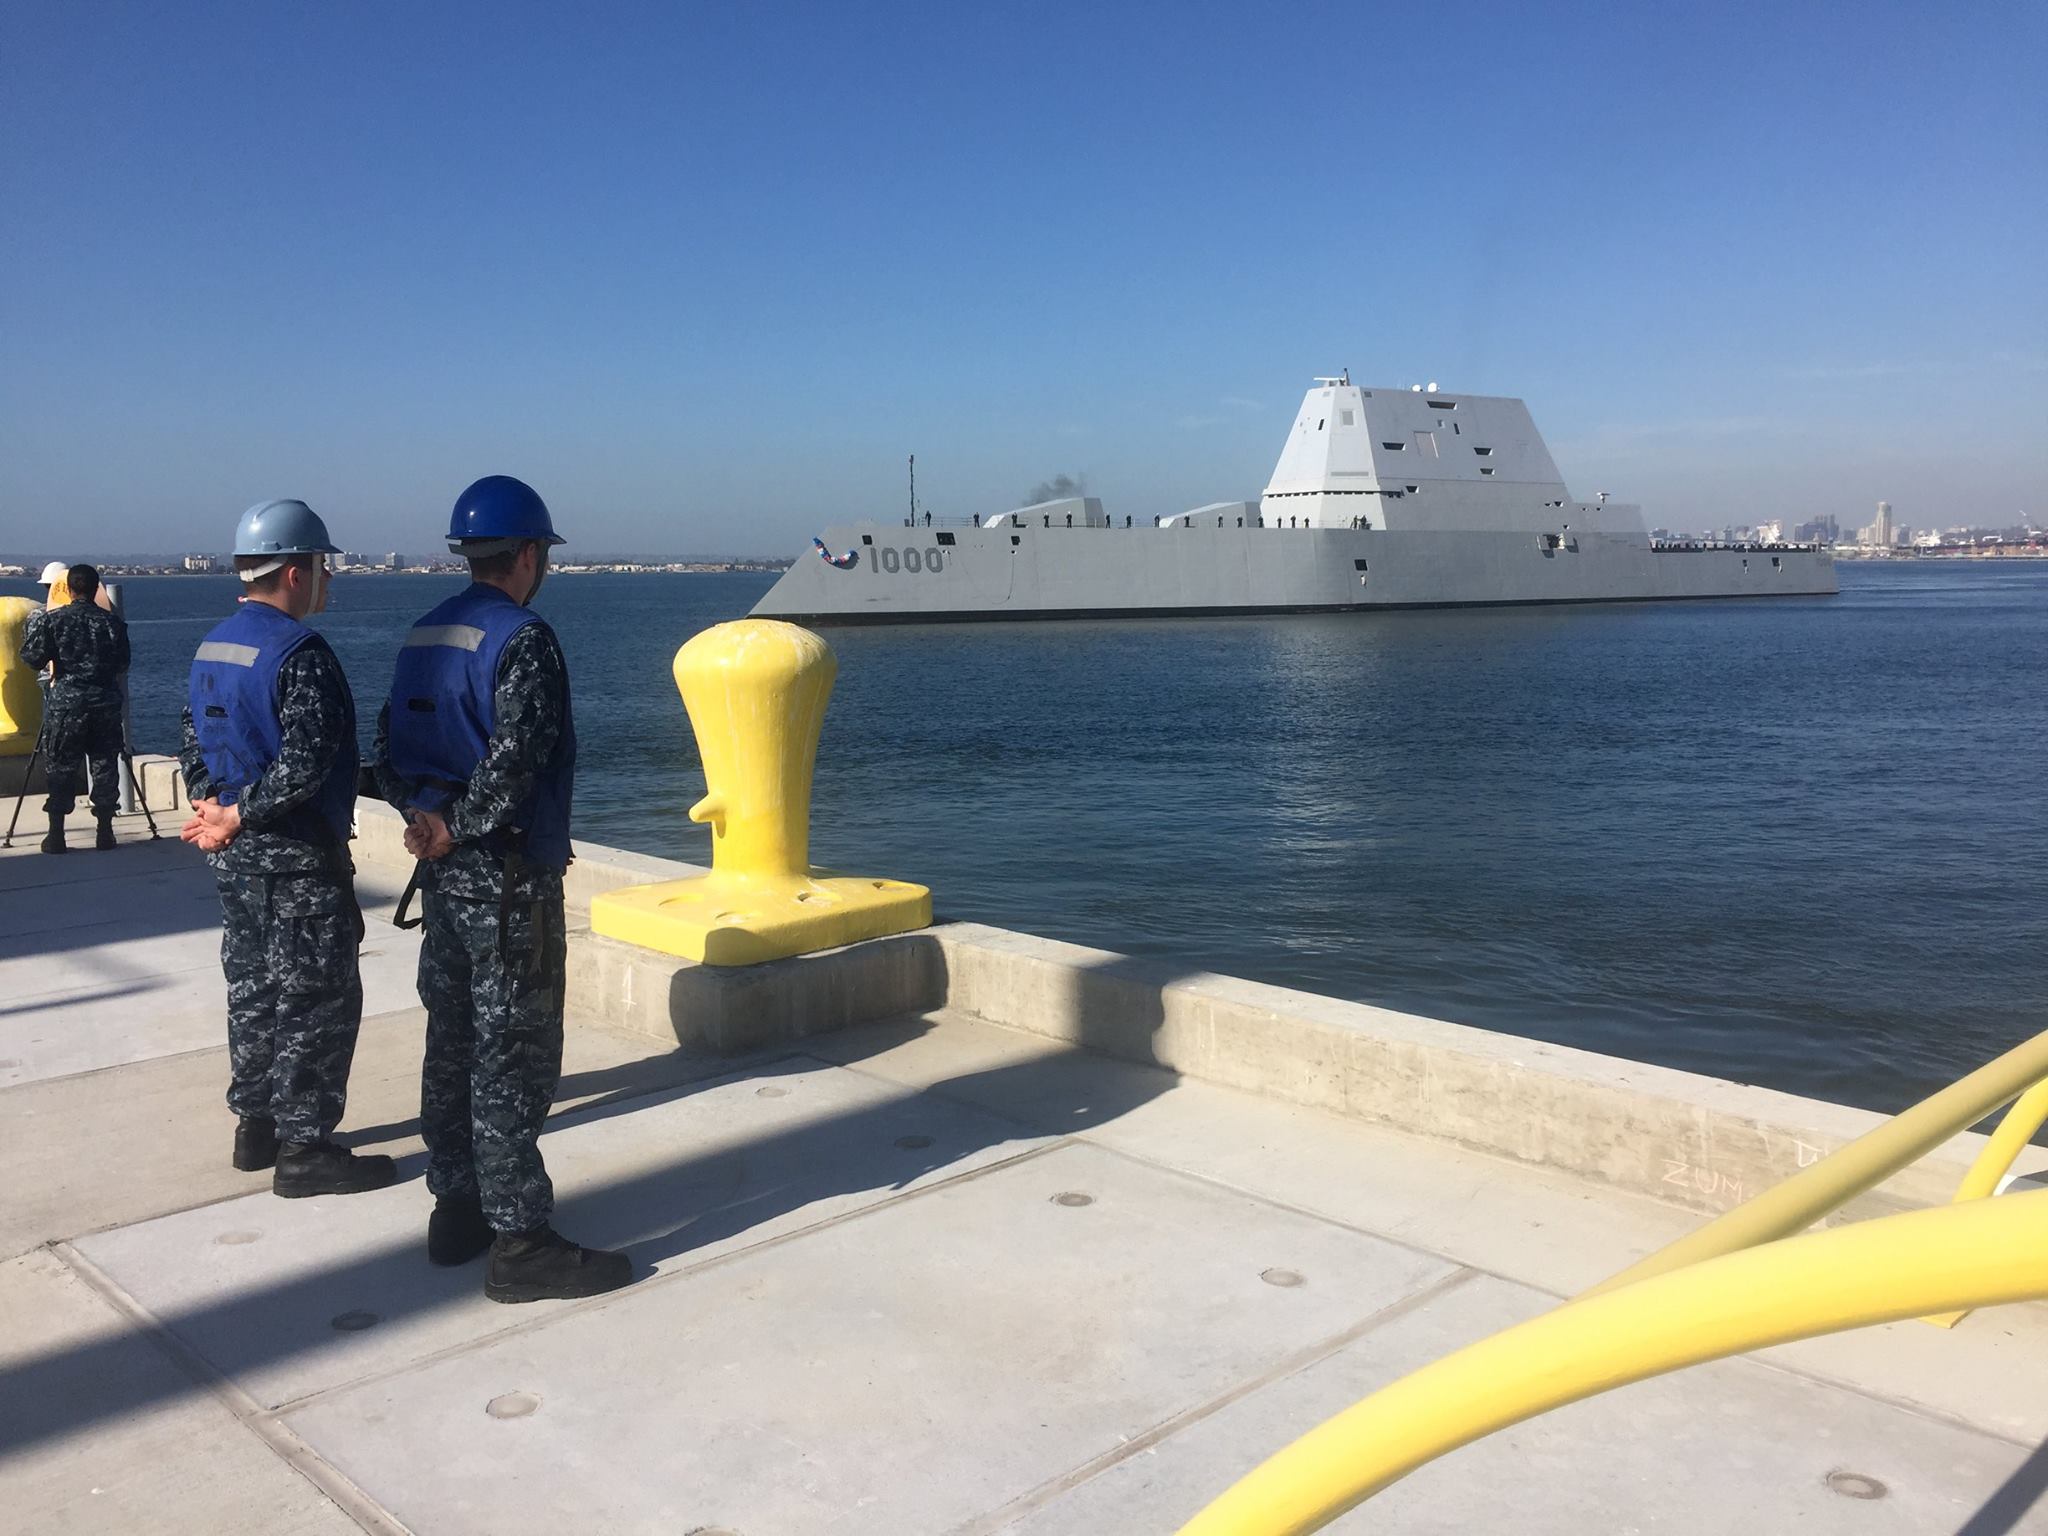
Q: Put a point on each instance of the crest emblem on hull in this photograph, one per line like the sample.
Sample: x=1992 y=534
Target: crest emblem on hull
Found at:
x=845 y=562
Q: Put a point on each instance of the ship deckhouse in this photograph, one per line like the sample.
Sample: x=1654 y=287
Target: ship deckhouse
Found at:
x=1414 y=459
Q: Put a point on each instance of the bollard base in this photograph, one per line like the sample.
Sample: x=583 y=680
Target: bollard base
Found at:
x=732 y=920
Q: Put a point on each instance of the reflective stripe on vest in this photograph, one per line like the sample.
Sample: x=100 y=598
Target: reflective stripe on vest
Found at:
x=233 y=655
x=462 y=637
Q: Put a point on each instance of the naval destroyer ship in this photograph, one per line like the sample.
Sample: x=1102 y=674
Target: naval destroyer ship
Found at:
x=1383 y=498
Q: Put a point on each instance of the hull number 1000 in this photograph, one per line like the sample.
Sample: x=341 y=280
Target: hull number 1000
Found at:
x=912 y=562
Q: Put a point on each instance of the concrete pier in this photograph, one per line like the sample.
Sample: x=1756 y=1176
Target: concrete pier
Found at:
x=963 y=1231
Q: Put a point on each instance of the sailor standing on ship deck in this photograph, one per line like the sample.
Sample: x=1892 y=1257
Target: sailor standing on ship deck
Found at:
x=477 y=747
x=269 y=759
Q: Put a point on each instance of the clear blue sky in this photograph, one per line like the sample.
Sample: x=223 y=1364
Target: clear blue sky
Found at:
x=705 y=275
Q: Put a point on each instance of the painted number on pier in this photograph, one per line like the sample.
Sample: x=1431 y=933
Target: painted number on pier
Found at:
x=912 y=561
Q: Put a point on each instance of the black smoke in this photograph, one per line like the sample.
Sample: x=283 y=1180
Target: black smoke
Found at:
x=1056 y=489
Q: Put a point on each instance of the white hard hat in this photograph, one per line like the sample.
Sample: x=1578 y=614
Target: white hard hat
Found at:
x=55 y=571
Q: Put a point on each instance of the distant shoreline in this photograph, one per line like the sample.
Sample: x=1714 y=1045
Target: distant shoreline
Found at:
x=2013 y=552
x=123 y=572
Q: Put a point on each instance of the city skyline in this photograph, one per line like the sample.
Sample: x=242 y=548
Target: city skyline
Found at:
x=708 y=281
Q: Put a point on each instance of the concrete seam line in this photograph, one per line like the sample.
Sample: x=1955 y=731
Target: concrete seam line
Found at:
x=116 y=1066
x=1322 y=1218
x=1289 y=1365
x=641 y=1287
x=212 y=1014
x=1918 y=1410
x=254 y=1188
x=283 y=1441
x=84 y=825
x=211 y=963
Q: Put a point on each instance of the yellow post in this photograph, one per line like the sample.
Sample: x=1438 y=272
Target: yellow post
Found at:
x=1974 y=1255
x=2013 y=1133
x=21 y=700
x=1866 y=1162
x=756 y=692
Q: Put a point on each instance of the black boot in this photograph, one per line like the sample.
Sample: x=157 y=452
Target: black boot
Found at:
x=53 y=841
x=543 y=1265
x=255 y=1144
x=106 y=838
x=457 y=1232
x=321 y=1168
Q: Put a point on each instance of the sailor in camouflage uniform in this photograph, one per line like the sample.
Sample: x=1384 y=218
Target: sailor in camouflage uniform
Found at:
x=270 y=762
x=478 y=748
x=85 y=645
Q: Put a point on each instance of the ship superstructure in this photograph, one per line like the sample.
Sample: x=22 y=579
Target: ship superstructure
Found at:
x=1382 y=498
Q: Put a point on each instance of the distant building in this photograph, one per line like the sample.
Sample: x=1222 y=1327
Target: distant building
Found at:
x=205 y=565
x=347 y=561
x=394 y=562
x=1880 y=533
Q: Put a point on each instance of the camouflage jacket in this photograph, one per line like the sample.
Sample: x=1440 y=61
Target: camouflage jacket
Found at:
x=313 y=708
x=89 y=649
x=531 y=701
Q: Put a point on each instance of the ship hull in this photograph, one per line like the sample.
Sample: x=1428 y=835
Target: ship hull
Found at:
x=908 y=575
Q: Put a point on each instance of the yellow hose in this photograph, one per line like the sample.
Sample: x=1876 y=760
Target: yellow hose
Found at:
x=1863 y=1164
x=1978 y=1254
x=2013 y=1133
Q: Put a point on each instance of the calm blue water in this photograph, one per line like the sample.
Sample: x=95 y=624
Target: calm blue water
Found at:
x=1796 y=842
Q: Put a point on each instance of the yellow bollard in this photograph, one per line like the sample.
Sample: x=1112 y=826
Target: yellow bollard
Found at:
x=756 y=692
x=21 y=700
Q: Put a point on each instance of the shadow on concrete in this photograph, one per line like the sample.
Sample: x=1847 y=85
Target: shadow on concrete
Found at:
x=601 y=1088
x=85 y=899
x=2006 y=1508
x=660 y=1214
x=69 y=999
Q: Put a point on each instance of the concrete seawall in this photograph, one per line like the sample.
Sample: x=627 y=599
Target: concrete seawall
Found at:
x=1703 y=1143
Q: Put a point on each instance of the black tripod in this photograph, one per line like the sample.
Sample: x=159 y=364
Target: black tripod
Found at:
x=27 y=775
x=135 y=784
x=127 y=756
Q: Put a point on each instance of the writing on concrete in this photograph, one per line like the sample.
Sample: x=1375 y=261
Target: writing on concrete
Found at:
x=1707 y=1181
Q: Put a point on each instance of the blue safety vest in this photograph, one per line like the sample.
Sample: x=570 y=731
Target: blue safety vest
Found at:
x=444 y=709
x=233 y=694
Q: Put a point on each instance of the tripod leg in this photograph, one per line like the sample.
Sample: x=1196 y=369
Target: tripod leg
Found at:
x=22 y=793
x=134 y=783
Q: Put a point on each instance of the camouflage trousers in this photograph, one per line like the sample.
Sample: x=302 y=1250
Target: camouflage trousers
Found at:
x=288 y=943
x=492 y=984
x=73 y=740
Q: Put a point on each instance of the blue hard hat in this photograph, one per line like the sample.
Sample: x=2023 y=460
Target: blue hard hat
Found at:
x=499 y=507
x=283 y=528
